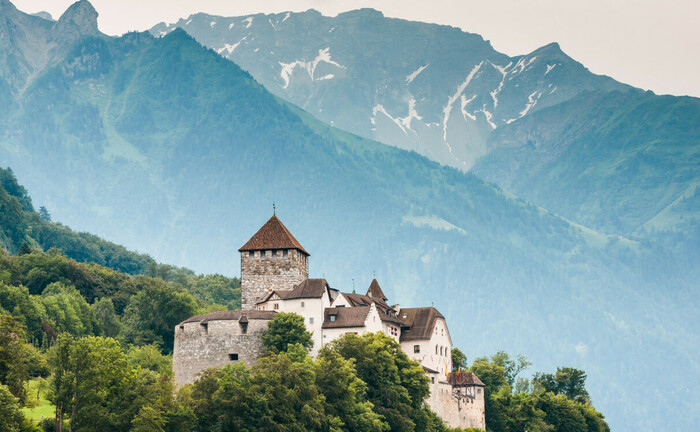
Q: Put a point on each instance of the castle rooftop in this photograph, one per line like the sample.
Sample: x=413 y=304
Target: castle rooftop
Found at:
x=421 y=322
x=273 y=235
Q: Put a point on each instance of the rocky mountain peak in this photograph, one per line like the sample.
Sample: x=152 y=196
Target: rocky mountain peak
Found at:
x=80 y=19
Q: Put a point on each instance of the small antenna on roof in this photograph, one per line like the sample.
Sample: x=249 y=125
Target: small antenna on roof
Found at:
x=273 y=208
x=374 y=274
x=353 y=286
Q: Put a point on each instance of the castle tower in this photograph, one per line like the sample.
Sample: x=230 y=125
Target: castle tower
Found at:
x=271 y=259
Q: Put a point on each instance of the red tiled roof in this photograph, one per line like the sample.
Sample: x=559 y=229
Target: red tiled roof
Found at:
x=464 y=378
x=375 y=291
x=310 y=288
x=345 y=317
x=243 y=315
x=272 y=235
x=421 y=322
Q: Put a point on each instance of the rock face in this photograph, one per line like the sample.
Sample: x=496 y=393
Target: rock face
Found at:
x=79 y=20
x=424 y=87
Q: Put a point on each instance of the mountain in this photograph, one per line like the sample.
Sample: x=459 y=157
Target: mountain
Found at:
x=424 y=87
x=598 y=152
x=170 y=149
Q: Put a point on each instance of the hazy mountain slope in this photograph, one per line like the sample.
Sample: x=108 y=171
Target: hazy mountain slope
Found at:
x=170 y=149
x=450 y=96
x=617 y=162
x=430 y=88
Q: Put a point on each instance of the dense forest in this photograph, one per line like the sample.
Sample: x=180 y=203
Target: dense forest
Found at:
x=86 y=338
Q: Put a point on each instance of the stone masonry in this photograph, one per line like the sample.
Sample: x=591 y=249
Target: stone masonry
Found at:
x=265 y=270
x=210 y=341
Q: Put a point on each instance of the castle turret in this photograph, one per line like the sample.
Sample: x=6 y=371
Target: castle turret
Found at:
x=271 y=259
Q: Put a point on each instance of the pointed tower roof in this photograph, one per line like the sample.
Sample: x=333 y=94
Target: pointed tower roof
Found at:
x=375 y=291
x=273 y=235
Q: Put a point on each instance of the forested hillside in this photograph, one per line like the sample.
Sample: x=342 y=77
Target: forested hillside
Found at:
x=169 y=149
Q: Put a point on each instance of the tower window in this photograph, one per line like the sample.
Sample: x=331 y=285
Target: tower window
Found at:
x=233 y=357
x=273 y=254
x=244 y=328
x=285 y=253
x=416 y=349
x=262 y=255
x=251 y=254
x=205 y=328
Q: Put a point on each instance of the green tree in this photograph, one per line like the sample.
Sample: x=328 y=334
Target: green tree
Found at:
x=107 y=317
x=459 y=360
x=14 y=356
x=44 y=214
x=568 y=381
x=511 y=367
x=152 y=314
x=285 y=329
x=11 y=417
x=337 y=380
x=396 y=385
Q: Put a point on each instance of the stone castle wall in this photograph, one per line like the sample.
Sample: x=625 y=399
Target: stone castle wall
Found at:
x=199 y=347
x=260 y=274
x=455 y=408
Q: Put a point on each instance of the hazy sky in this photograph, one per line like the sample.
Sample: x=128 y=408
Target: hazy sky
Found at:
x=652 y=44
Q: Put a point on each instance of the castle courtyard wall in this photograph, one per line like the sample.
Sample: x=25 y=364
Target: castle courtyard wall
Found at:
x=199 y=347
x=454 y=407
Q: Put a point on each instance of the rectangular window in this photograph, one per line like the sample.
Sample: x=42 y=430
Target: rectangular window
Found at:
x=274 y=254
x=244 y=328
x=302 y=304
x=311 y=320
x=416 y=349
x=262 y=255
x=285 y=253
x=251 y=254
x=233 y=357
x=276 y=306
x=333 y=317
x=205 y=328
x=432 y=380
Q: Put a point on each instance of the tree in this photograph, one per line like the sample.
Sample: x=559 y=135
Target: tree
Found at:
x=13 y=356
x=44 y=214
x=396 y=385
x=337 y=380
x=511 y=367
x=459 y=360
x=285 y=329
x=152 y=314
x=24 y=249
x=11 y=417
x=568 y=381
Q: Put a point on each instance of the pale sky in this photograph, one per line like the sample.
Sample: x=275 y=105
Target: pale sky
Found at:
x=651 y=44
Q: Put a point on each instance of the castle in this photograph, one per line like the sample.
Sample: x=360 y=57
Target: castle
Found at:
x=275 y=278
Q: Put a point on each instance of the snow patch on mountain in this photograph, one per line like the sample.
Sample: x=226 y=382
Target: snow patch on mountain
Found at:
x=465 y=102
x=310 y=66
x=452 y=99
x=522 y=65
x=230 y=48
x=212 y=24
x=286 y=17
x=549 y=68
x=249 y=22
x=412 y=114
x=531 y=101
x=414 y=74
x=503 y=71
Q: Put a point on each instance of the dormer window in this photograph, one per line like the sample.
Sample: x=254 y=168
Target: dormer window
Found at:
x=333 y=317
x=244 y=327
